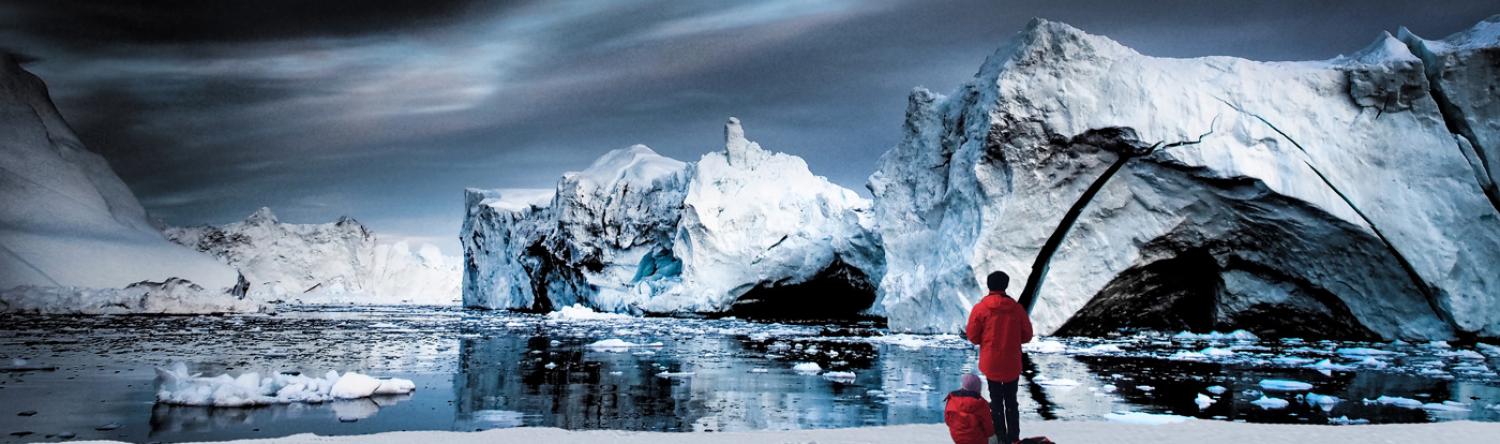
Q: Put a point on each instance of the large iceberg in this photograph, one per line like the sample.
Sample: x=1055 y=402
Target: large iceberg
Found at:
x=1349 y=197
x=73 y=238
x=333 y=263
x=738 y=231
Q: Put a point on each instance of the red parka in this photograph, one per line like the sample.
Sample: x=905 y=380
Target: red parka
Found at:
x=968 y=418
x=999 y=326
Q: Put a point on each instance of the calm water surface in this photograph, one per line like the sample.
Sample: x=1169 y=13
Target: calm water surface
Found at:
x=93 y=377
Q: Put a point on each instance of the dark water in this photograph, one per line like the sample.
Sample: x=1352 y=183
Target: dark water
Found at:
x=478 y=370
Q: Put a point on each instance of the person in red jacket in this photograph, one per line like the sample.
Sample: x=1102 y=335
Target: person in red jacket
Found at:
x=967 y=415
x=999 y=326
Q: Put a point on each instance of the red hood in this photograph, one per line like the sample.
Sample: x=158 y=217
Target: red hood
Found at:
x=998 y=300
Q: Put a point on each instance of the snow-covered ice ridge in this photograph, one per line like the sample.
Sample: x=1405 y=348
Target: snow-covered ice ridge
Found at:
x=638 y=232
x=73 y=239
x=333 y=263
x=1351 y=197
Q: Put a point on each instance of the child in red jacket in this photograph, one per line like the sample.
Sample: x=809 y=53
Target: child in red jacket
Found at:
x=967 y=414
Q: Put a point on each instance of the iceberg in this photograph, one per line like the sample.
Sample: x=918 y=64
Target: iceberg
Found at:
x=333 y=263
x=1334 y=198
x=73 y=238
x=742 y=231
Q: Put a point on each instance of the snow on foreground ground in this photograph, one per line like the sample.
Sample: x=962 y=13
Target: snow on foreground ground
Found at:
x=1060 y=431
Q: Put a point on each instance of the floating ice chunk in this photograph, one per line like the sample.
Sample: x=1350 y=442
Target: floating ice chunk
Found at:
x=1462 y=354
x=1365 y=351
x=1492 y=350
x=1436 y=373
x=1291 y=360
x=1439 y=344
x=354 y=386
x=1215 y=352
x=550 y=365
x=1284 y=385
x=1344 y=420
x=911 y=341
x=1328 y=365
x=1109 y=388
x=1445 y=406
x=1044 y=346
x=1372 y=362
x=1145 y=388
x=395 y=386
x=1145 y=418
x=840 y=377
x=669 y=375
x=1216 y=389
x=759 y=370
x=1324 y=402
x=1237 y=335
x=811 y=368
x=1396 y=401
x=1203 y=401
x=1269 y=403
x=1102 y=349
x=578 y=312
x=176 y=386
x=617 y=345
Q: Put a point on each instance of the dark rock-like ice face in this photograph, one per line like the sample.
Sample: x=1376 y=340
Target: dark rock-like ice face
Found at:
x=839 y=292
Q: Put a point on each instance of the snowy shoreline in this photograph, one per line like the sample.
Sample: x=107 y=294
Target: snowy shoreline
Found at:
x=1060 y=431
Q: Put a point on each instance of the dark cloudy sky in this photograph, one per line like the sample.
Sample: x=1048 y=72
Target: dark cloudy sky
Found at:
x=386 y=110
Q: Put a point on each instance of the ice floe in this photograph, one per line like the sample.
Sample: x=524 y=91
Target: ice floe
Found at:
x=1283 y=385
x=1270 y=403
x=177 y=386
x=1145 y=418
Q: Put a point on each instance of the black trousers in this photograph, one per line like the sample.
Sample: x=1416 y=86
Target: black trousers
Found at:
x=1005 y=411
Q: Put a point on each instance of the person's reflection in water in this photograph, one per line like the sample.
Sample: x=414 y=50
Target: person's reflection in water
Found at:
x=1044 y=407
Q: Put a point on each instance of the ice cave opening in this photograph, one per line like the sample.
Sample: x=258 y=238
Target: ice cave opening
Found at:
x=1173 y=294
x=1188 y=292
x=840 y=292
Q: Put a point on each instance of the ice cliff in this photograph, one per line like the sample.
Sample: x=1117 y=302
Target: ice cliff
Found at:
x=334 y=263
x=1350 y=197
x=73 y=238
x=743 y=230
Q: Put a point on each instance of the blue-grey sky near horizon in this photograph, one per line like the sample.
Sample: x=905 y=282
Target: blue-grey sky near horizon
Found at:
x=386 y=110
